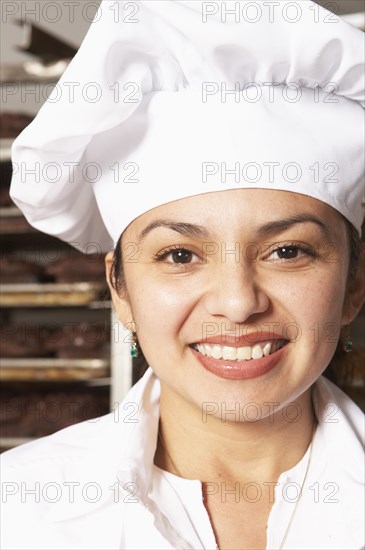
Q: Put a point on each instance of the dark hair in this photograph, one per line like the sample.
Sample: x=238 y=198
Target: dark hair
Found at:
x=336 y=370
x=354 y=243
x=342 y=367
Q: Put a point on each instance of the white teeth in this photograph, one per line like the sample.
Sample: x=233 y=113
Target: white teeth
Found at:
x=217 y=352
x=229 y=353
x=244 y=353
x=257 y=352
x=267 y=349
x=208 y=349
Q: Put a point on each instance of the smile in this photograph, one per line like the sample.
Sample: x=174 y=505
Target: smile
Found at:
x=241 y=362
x=246 y=353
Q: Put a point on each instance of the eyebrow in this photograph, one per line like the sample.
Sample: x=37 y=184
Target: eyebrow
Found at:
x=270 y=228
x=187 y=229
x=276 y=226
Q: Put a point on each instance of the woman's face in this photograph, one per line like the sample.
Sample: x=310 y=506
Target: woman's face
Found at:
x=237 y=270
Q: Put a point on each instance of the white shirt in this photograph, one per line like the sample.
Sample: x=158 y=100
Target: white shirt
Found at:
x=94 y=485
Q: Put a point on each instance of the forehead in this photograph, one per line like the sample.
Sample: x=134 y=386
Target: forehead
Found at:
x=244 y=210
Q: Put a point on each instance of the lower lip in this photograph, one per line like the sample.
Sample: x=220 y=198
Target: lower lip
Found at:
x=240 y=370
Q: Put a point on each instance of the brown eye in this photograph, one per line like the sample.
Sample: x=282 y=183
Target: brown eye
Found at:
x=182 y=256
x=291 y=252
x=176 y=255
x=287 y=252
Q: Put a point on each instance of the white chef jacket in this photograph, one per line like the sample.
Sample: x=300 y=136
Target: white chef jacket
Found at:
x=93 y=485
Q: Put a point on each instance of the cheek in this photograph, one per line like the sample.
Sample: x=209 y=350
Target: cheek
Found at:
x=324 y=297
x=316 y=306
x=160 y=309
x=309 y=305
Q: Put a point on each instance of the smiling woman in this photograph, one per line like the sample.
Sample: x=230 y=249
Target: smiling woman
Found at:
x=185 y=258
x=221 y=305
x=237 y=297
x=232 y=224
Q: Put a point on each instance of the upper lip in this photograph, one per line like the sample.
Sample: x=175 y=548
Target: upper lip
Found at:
x=241 y=341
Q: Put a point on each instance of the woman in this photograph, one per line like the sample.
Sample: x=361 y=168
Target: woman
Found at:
x=235 y=265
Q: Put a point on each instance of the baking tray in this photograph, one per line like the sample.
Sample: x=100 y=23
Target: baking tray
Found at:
x=49 y=369
x=5 y=149
x=12 y=222
x=49 y=294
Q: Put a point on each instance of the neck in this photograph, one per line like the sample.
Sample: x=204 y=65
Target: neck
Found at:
x=216 y=450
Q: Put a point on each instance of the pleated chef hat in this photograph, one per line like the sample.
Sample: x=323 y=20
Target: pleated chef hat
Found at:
x=169 y=99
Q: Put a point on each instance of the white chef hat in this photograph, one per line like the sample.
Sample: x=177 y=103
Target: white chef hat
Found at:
x=169 y=99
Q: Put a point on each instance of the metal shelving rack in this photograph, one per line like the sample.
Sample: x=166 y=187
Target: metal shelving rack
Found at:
x=116 y=372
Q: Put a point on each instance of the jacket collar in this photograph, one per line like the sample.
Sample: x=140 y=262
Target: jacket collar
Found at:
x=118 y=455
x=119 y=451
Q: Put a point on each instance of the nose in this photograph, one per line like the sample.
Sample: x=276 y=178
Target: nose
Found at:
x=235 y=292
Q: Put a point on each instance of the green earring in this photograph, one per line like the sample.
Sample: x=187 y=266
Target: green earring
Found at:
x=348 y=345
x=134 y=346
x=347 y=342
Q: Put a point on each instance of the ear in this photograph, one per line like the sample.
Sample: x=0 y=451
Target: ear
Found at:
x=120 y=300
x=355 y=293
